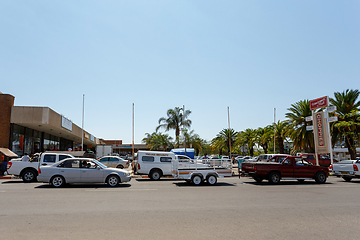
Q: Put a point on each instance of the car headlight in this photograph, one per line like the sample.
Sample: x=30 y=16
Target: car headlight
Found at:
x=127 y=174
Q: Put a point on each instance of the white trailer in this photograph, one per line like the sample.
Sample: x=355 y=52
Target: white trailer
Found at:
x=195 y=172
x=103 y=150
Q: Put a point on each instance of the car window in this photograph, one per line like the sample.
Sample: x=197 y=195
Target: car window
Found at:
x=70 y=164
x=165 y=159
x=287 y=162
x=105 y=159
x=62 y=157
x=147 y=159
x=111 y=159
x=50 y=158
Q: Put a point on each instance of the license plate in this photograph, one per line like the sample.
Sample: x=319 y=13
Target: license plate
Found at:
x=344 y=172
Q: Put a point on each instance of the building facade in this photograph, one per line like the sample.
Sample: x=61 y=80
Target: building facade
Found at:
x=30 y=130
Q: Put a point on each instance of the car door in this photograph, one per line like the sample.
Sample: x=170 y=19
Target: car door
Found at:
x=287 y=169
x=105 y=161
x=303 y=169
x=92 y=174
x=113 y=162
x=70 y=170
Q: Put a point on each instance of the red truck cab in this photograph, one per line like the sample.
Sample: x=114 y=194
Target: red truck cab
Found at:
x=292 y=168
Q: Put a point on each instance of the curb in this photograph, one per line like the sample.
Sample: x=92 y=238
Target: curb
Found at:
x=6 y=177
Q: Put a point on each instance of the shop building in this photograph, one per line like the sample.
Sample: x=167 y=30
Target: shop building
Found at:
x=25 y=129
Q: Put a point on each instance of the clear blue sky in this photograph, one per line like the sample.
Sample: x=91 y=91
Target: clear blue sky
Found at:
x=252 y=56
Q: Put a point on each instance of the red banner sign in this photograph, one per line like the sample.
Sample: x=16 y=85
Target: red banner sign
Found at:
x=321 y=133
x=319 y=103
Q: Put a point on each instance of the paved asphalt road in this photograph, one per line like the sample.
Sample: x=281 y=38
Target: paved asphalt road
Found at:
x=170 y=209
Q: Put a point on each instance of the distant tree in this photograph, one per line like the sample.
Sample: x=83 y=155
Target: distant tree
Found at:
x=303 y=140
x=174 y=121
x=248 y=138
x=281 y=133
x=264 y=137
x=347 y=126
x=158 y=141
x=221 y=141
x=193 y=140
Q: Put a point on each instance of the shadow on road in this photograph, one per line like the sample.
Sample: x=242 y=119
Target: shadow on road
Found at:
x=285 y=183
x=84 y=185
x=219 y=184
x=149 y=180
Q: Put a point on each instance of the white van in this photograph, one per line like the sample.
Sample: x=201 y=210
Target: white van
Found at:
x=155 y=164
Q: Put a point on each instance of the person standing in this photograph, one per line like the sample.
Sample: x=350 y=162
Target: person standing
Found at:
x=25 y=158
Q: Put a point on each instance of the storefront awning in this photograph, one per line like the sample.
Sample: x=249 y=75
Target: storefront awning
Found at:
x=7 y=152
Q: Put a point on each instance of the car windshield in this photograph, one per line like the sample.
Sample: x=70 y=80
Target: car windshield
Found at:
x=100 y=164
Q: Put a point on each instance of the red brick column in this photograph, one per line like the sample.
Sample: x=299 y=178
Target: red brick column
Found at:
x=6 y=102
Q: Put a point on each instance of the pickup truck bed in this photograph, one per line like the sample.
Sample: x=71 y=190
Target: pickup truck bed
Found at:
x=347 y=169
x=289 y=169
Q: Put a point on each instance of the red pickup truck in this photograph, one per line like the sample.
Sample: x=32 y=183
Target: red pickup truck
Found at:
x=289 y=169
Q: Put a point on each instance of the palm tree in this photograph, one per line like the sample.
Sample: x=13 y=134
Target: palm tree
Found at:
x=193 y=140
x=303 y=139
x=158 y=141
x=221 y=141
x=247 y=137
x=348 y=125
x=264 y=137
x=281 y=133
x=174 y=121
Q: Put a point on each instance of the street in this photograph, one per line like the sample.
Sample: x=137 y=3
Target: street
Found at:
x=171 y=209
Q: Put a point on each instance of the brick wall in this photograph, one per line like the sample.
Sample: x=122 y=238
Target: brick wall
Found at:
x=6 y=102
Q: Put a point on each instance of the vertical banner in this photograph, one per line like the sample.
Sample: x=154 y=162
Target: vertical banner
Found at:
x=321 y=133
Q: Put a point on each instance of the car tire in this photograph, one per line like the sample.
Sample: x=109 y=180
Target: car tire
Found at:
x=211 y=179
x=57 y=181
x=29 y=176
x=120 y=166
x=155 y=175
x=113 y=180
x=347 y=179
x=258 y=180
x=274 y=178
x=320 y=177
x=301 y=180
x=196 y=180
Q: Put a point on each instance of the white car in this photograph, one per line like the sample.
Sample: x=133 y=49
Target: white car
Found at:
x=114 y=161
x=81 y=170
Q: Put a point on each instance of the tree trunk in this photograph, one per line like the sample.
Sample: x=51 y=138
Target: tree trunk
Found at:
x=350 y=144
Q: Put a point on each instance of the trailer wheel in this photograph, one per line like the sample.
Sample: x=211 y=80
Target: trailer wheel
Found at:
x=211 y=179
x=196 y=180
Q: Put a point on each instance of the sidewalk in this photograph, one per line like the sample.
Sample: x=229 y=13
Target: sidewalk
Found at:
x=6 y=176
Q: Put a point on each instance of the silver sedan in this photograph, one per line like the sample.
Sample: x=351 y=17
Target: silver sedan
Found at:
x=81 y=170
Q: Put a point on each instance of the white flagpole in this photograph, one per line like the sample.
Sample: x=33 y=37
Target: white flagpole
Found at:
x=229 y=132
x=274 y=127
x=82 y=126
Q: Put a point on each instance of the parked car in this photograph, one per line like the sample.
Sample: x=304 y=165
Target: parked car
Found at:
x=347 y=169
x=290 y=168
x=28 y=171
x=81 y=170
x=114 y=161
